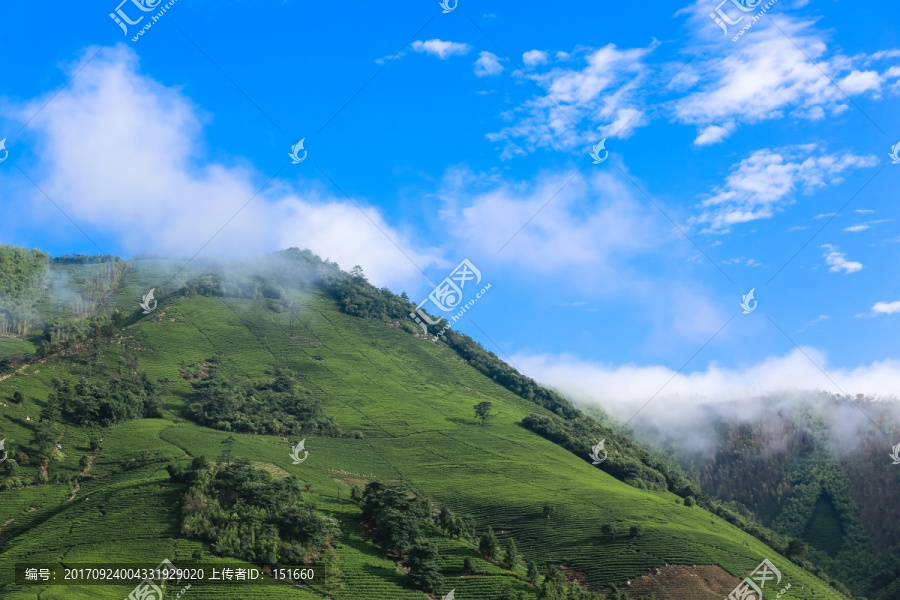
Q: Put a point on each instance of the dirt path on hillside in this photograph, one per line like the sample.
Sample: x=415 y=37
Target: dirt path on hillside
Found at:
x=671 y=582
x=46 y=461
x=19 y=370
x=89 y=466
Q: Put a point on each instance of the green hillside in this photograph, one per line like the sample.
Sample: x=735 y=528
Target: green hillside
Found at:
x=405 y=407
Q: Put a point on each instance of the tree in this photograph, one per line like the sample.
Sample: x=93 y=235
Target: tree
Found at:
x=533 y=574
x=510 y=555
x=44 y=439
x=689 y=501
x=227 y=454
x=795 y=549
x=609 y=529
x=509 y=594
x=615 y=594
x=488 y=544
x=445 y=519
x=483 y=411
x=466 y=528
x=395 y=531
x=554 y=586
x=50 y=412
x=423 y=572
x=548 y=510
x=18 y=397
x=10 y=467
x=636 y=531
x=468 y=567
x=356 y=494
x=454 y=527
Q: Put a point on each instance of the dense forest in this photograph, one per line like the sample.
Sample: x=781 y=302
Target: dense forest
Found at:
x=23 y=275
x=277 y=405
x=790 y=470
x=244 y=512
x=101 y=405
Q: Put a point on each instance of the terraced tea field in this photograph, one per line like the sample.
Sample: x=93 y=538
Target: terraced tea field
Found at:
x=411 y=401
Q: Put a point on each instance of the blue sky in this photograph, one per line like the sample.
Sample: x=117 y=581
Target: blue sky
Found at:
x=435 y=137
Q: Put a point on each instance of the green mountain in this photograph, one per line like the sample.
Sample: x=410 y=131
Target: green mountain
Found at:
x=101 y=408
x=812 y=467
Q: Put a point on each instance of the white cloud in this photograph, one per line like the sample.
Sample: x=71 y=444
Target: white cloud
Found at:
x=605 y=88
x=587 y=221
x=140 y=177
x=487 y=64
x=858 y=82
x=863 y=211
x=533 y=58
x=713 y=134
x=440 y=48
x=623 y=389
x=767 y=181
x=886 y=308
x=764 y=76
x=856 y=228
x=837 y=261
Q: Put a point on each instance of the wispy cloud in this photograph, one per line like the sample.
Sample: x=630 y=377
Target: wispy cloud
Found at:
x=604 y=87
x=837 y=260
x=767 y=181
x=815 y=321
x=622 y=390
x=766 y=77
x=178 y=198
